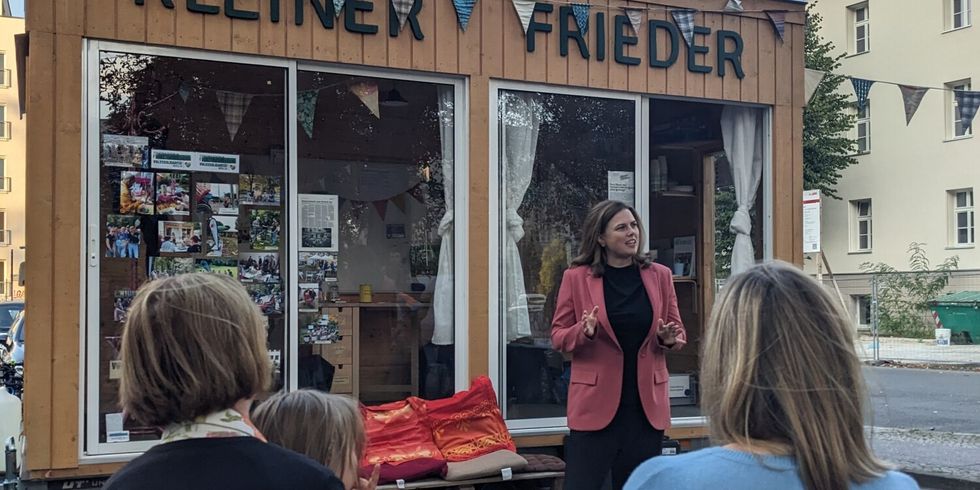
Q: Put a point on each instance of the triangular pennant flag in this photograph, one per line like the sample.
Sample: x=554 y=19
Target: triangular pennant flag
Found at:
x=417 y=193
x=861 y=89
x=402 y=9
x=233 y=105
x=381 y=207
x=581 y=12
x=912 y=96
x=400 y=202
x=734 y=6
x=684 y=18
x=811 y=82
x=306 y=110
x=368 y=93
x=184 y=91
x=778 y=19
x=636 y=18
x=967 y=102
x=337 y=6
x=525 y=10
x=464 y=8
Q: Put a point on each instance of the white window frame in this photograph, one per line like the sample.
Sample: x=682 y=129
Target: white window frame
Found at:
x=5 y=73
x=857 y=24
x=964 y=15
x=5 y=180
x=952 y=109
x=497 y=350
x=955 y=211
x=864 y=122
x=90 y=249
x=859 y=310
x=857 y=219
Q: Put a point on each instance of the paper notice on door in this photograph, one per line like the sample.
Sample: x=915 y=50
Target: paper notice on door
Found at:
x=620 y=186
x=114 y=428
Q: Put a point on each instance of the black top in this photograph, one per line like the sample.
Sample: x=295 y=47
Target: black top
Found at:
x=240 y=463
x=630 y=316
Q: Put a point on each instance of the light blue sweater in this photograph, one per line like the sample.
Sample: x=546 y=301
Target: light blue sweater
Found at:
x=718 y=468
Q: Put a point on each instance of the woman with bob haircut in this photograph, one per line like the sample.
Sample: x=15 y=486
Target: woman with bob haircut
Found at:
x=194 y=356
x=616 y=314
x=327 y=428
x=782 y=388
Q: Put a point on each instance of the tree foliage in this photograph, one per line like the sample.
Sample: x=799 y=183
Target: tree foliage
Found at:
x=827 y=119
x=903 y=297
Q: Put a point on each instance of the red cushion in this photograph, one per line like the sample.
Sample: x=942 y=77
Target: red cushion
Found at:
x=468 y=424
x=396 y=435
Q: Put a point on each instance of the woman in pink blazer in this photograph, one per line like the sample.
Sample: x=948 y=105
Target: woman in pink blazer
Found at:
x=616 y=314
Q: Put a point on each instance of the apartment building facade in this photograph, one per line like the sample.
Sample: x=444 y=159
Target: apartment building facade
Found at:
x=13 y=154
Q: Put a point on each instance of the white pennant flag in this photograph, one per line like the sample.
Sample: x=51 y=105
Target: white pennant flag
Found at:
x=811 y=82
x=525 y=10
x=734 y=6
x=233 y=105
x=636 y=18
x=337 y=6
x=402 y=9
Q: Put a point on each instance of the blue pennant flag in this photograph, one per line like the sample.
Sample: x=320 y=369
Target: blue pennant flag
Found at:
x=861 y=89
x=967 y=103
x=337 y=6
x=778 y=19
x=684 y=18
x=581 y=12
x=464 y=8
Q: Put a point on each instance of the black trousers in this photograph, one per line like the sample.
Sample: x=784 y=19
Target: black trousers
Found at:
x=620 y=447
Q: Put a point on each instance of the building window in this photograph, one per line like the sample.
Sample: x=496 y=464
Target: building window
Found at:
x=963 y=223
x=5 y=78
x=4 y=124
x=863 y=307
x=4 y=180
x=958 y=13
x=862 y=225
x=862 y=127
x=861 y=23
x=954 y=116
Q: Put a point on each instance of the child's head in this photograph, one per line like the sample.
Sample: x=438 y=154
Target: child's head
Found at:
x=193 y=344
x=327 y=428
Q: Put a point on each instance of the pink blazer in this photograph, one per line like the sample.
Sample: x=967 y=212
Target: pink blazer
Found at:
x=597 y=366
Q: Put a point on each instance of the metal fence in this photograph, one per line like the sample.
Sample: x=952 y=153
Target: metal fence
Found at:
x=894 y=322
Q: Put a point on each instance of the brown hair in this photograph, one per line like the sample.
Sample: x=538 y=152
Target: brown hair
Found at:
x=193 y=344
x=327 y=428
x=594 y=255
x=779 y=370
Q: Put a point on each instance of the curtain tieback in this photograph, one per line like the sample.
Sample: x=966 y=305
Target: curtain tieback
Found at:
x=515 y=225
x=742 y=221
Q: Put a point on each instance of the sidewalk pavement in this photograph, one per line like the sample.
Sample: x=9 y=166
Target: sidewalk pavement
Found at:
x=917 y=350
x=942 y=454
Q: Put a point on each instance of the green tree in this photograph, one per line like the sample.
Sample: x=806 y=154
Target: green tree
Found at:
x=827 y=120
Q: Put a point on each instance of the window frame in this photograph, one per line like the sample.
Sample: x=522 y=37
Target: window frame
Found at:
x=91 y=451
x=857 y=220
x=965 y=14
x=866 y=123
x=856 y=24
x=952 y=109
x=969 y=209
x=863 y=301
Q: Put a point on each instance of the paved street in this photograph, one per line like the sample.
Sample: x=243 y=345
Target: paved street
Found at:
x=926 y=420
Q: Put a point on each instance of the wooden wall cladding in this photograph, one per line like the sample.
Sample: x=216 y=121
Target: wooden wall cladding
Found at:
x=492 y=47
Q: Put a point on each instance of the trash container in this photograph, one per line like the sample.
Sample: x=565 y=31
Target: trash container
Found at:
x=960 y=312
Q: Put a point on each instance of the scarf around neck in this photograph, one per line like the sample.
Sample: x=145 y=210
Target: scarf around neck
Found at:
x=223 y=423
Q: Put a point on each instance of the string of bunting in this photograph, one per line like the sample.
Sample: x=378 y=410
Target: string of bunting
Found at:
x=967 y=101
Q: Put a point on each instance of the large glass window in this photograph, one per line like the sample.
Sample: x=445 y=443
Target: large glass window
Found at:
x=187 y=174
x=558 y=156
x=376 y=223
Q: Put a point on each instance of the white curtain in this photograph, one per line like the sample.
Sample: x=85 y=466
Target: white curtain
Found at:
x=520 y=120
x=741 y=129
x=442 y=301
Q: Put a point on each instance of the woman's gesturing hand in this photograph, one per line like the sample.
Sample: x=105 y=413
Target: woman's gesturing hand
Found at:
x=589 y=321
x=372 y=484
x=668 y=333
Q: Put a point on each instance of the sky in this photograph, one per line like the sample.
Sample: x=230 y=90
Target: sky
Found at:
x=17 y=8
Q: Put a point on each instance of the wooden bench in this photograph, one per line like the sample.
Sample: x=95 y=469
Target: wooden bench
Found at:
x=557 y=477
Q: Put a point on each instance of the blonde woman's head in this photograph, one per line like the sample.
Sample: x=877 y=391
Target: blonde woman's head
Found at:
x=327 y=428
x=779 y=370
x=192 y=344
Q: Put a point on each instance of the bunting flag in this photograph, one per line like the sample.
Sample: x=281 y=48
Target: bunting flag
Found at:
x=861 y=89
x=184 y=91
x=400 y=202
x=811 y=82
x=381 y=207
x=306 y=110
x=967 y=102
x=368 y=93
x=337 y=6
x=464 y=8
x=418 y=193
x=734 y=6
x=525 y=10
x=912 y=97
x=402 y=9
x=581 y=12
x=636 y=18
x=778 y=19
x=233 y=105
x=684 y=18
